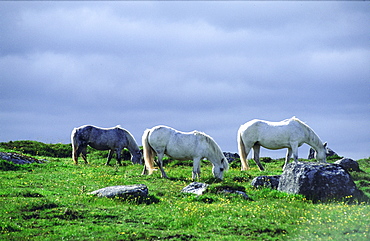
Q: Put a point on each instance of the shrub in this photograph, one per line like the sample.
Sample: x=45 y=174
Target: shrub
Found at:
x=35 y=148
x=8 y=166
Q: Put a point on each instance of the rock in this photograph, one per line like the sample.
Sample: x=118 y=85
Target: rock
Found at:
x=19 y=158
x=266 y=181
x=138 y=190
x=243 y=194
x=317 y=181
x=348 y=164
x=329 y=152
x=195 y=188
x=231 y=156
x=199 y=188
x=233 y=189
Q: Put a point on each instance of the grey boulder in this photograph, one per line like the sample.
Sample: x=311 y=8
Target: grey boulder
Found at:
x=318 y=181
x=138 y=190
x=266 y=181
x=195 y=188
x=349 y=164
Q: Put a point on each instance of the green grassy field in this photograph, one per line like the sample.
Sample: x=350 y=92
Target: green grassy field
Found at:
x=50 y=201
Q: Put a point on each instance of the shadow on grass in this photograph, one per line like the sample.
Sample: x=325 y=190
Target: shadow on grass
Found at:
x=137 y=200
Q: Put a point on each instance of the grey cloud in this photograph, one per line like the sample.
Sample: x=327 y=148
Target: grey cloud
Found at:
x=209 y=66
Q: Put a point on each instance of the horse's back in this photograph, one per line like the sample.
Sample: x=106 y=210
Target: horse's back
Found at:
x=114 y=136
x=262 y=125
x=174 y=143
x=254 y=126
x=82 y=132
x=100 y=138
x=160 y=132
x=162 y=135
x=271 y=134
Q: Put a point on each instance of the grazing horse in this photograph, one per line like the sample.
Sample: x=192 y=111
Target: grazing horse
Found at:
x=290 y=133
x=114 y=139
x=193 y=145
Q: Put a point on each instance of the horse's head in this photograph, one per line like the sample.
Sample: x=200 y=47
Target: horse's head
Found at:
x=137 y=157
x=218 y=170
x=321 y=154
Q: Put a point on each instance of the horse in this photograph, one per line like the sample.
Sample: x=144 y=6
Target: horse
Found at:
x=195 y=145
x=290 y=133
x=114 y=139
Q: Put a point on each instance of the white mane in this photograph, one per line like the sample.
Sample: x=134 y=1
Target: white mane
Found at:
x=212 y=144
x=312 y=135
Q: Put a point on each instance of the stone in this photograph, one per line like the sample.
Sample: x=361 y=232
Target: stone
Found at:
x=231 y=156
x=19 y=158
x=349 y=164
x=195 y=188
x=138 y=190
x=317 y=181
x=231 y=189
x=228 y=191
x=266 y=181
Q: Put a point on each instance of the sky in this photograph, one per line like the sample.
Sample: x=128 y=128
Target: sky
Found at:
x=206 y=66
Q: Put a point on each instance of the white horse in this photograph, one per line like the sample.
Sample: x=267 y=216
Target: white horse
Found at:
x=114 y=139
x=193 y=145
x=290 y=133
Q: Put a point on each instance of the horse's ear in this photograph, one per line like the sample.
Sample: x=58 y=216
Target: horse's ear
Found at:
x=325 y=144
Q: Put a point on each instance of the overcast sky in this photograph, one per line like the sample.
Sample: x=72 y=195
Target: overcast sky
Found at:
x=207 y=66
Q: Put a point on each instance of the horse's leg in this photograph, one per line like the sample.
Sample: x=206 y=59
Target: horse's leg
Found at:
x=84 y=154
x=144 y=170
x=160 y=164
x=76 y=153
x=110 y=155
x=295 y=151
x=118 y=152
x=256 y=153
x=244 y=160
x=287 y=157
x=196 y=168
x=292 y=150
x=81 y=149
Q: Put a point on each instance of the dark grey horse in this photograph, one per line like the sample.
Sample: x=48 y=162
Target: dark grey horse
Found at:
x=114 y=139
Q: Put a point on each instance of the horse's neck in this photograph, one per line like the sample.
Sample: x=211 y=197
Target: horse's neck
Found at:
x=313 y=139
x=211 y=150
x=131 y=144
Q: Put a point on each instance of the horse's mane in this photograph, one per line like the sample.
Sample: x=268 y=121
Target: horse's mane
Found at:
x=129 y=137
x=213 y=145
x=313 y=136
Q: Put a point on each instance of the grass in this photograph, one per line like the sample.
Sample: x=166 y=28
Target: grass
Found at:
x=50 y=201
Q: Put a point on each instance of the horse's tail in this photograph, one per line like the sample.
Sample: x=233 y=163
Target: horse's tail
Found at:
x=149 y=153
x=74 y=141
x=242 y=153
